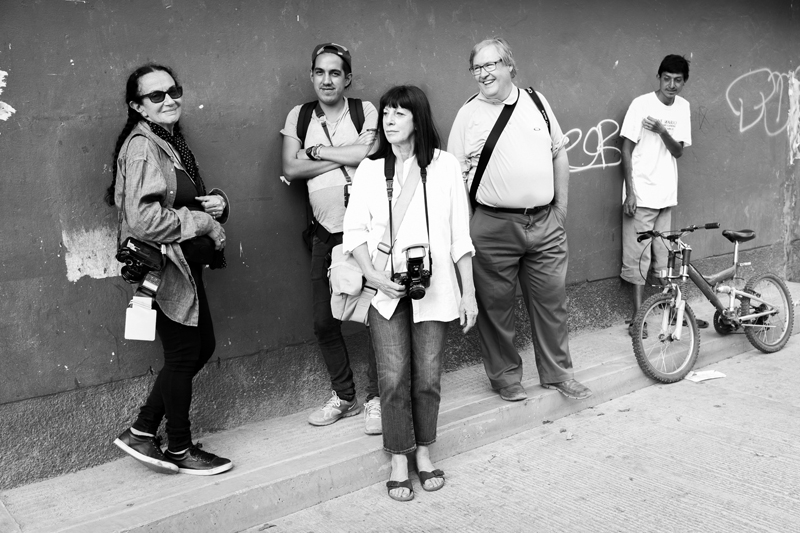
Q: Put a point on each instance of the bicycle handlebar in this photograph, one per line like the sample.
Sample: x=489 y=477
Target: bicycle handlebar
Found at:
x=674 y=235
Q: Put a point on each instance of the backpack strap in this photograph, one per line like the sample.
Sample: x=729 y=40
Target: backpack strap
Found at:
x=357 y=113
x=538 y=102
x=303 y=120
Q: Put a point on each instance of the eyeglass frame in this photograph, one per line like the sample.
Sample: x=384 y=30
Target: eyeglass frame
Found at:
x=476 y=70
x=174 y=92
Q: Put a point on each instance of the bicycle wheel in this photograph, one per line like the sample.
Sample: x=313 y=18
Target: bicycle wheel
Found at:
x=660 y=356
x=768 y=333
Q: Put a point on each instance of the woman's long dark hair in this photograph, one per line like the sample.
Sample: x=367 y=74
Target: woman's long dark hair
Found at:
x=132 y=95
x=426 y=138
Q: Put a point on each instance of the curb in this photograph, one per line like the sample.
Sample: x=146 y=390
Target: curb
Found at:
x=287 y=465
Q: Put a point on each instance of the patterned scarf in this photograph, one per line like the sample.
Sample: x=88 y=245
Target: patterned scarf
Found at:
x=187 y=157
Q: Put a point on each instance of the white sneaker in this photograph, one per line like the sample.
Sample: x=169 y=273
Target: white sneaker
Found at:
x=372 y=417
x=334 y=409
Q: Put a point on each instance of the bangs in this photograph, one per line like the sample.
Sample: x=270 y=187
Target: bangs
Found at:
x=398 y=97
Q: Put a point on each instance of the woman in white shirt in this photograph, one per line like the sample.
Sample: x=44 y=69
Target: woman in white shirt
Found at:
x=409 y=320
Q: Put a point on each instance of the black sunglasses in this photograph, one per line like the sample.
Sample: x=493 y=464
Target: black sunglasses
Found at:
x=174 y=92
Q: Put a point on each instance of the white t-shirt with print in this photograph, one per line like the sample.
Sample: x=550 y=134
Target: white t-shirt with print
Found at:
x=655 y=170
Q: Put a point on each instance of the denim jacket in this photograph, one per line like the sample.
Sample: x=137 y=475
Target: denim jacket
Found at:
x=146 y=171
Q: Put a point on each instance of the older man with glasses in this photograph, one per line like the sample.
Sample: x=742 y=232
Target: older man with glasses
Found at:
x=514 y=162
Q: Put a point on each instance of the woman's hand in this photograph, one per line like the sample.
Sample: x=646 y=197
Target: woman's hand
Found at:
x=218 y=234
x=383 y=282
x=213 y=204
x=467 y=311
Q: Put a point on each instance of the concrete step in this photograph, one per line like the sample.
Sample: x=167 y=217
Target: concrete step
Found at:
x=284 y=465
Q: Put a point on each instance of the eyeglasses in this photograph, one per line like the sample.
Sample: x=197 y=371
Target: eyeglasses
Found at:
x=487 y=67
x=174 y=92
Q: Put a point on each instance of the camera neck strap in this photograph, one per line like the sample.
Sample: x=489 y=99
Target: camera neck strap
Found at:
x=321 y=117
x=386 y=246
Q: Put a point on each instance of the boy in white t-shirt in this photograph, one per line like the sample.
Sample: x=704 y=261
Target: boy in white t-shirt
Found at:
x=655 y=131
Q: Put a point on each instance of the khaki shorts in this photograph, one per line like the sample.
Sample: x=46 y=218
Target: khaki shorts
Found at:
x=650 y=254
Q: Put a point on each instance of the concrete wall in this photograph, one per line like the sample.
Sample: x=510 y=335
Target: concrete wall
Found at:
x=244 y=64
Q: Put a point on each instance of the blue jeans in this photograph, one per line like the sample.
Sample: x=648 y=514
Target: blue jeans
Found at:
x=328 y=330
x=409 y=358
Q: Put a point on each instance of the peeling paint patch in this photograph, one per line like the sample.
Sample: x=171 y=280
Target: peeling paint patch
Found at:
x=5 y=109
x=793 y=126
x=90 y=253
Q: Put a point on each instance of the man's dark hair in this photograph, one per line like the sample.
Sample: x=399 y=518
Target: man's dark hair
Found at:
x=675 y=64
x=426 y=138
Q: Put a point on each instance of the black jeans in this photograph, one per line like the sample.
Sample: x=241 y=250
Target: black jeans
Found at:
x=186 y=351
x=329 y=330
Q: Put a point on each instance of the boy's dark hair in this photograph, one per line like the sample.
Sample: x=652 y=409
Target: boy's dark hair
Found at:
x=426 y=138
x=675 y=64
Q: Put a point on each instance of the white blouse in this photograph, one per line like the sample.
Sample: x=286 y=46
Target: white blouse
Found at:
x=368 y=215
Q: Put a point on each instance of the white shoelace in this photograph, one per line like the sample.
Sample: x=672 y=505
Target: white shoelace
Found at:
x=334 y=402
x=372 y=409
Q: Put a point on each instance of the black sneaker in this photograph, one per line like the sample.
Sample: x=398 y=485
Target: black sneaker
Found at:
x=199 y=463
x=146 y=450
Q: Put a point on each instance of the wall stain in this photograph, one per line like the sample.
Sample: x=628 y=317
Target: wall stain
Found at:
x=90 y=253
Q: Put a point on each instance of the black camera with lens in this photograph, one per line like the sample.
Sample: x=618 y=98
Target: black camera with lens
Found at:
x=140 y=259
x=416 y=279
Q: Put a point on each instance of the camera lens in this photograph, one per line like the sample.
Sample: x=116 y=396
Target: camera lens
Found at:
x=416 y=292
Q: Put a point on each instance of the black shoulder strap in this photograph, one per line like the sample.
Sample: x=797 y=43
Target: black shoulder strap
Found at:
x=303 y=120
x=488 y=148
x=357 y=113
x=538 y=102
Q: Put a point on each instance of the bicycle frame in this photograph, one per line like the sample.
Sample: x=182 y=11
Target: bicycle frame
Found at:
x=709 y=286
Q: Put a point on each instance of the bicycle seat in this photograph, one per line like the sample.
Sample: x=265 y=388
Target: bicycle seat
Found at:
x=740 y=235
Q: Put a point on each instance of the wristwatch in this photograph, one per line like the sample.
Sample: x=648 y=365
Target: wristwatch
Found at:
x=310 y=153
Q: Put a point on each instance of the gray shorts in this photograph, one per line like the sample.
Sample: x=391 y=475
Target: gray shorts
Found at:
x=651 y=254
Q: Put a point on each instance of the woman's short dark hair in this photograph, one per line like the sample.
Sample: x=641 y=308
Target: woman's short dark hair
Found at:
x=675 y=64
x=426 y=138
x=132 y=95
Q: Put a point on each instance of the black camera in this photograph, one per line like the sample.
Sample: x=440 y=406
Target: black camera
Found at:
x=139 y=260
x=416 y=279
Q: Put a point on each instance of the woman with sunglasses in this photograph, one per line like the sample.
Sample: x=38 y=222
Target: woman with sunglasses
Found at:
x=163 y=201
x=411 y=264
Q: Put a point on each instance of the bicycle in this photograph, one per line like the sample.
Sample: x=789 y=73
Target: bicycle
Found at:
x=669 y=350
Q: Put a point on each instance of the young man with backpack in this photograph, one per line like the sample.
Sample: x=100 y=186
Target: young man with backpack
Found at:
x=323 y=142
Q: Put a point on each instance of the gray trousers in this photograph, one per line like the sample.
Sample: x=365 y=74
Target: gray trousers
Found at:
x=533 y=249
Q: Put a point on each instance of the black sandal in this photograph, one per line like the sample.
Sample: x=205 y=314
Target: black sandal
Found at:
x=425 y=476
x=391 y=485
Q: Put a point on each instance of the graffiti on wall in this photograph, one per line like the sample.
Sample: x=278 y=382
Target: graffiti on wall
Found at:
x=761 y=98
x=793 y=129
x=598 y=143
x=5 y=109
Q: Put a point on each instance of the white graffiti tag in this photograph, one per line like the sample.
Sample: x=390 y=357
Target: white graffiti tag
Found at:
x=5 y=109
x=595 y=145
x=760 y=96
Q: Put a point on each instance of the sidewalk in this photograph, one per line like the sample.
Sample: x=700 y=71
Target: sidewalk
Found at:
x=720 y=456
x=285 y=465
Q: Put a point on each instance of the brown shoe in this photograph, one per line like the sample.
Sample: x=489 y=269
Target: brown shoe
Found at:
x=570 y=388
x=513 y=393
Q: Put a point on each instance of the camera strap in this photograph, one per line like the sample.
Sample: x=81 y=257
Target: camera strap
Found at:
x=324 y=122
x=386 y=245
